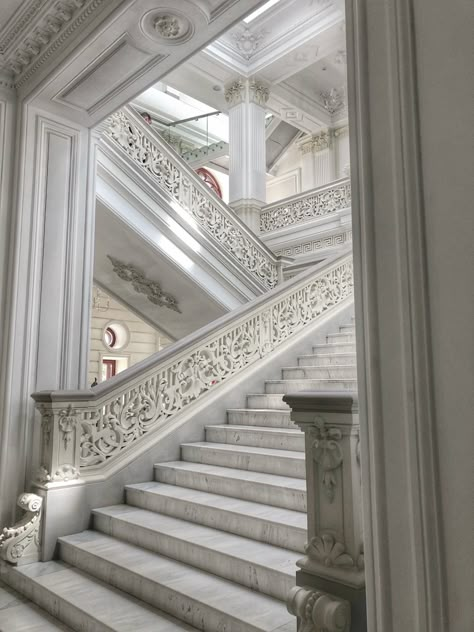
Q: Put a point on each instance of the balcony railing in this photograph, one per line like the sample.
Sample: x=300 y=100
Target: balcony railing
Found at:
x=84 y=432
x=304 y=207
x=128 y=131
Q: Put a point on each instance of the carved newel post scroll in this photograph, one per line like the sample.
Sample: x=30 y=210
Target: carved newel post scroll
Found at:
x=333 y=565
x=20 y=544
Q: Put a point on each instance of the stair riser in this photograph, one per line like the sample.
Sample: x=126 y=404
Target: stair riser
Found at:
x=183 y=607
x=265 y=400
x=257 y=577
x=319 y=360
x=295 y=386
x=340 y=337
x=286 y=536
x=256 y=439
x=282 y=466
x=347 y=329
x=338 y=347
x=57 y=607
x=318 y=373
x=245 y=490
x=280 y=419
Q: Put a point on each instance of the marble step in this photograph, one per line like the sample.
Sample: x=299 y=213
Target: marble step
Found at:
x=273 y=525
x=86 y=604
x=327 y=359
x=269 y=489
x=347 y=329
x=257 y=437
x=341 y=371
x=265 y=460
x=267 y=400
x=256 y=565
x=263 y=417
x=295 y=386
x=199 y=599
x=341 y=336
x=335 y=347
x=17 y=614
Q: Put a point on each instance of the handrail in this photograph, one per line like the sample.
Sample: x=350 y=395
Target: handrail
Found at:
x=169 y=171
x=306 y=206
x=84 y=431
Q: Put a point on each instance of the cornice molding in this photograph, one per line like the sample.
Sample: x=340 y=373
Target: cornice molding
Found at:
x=40 y=32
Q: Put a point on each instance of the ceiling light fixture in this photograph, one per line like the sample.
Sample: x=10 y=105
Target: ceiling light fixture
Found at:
x=261 y=10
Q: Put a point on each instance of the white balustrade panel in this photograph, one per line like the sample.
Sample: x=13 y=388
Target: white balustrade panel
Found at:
x=306 y=206
x=173 y=175
x=84 y=430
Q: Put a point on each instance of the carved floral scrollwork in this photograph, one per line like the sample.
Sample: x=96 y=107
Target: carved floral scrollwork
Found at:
x=303 y=209
x=328 y=551
x=105 y=430
x=67 y=423
x=161 y=164
x=327 y=453
x=143 y=285
x=24 y=537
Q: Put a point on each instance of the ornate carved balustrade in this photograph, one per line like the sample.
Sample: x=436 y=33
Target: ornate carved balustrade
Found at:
x=85 y=432
x=128 y=131
x=306 y=206
x=334 y=554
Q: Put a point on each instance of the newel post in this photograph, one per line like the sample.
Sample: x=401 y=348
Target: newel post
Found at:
x=332 y=571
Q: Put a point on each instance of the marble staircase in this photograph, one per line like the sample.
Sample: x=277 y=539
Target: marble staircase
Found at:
x=212 y=542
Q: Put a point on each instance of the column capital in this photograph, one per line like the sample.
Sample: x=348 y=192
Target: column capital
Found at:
x=246 y=91
x=317 y=142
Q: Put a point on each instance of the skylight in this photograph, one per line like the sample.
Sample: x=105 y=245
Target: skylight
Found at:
x=261 y=10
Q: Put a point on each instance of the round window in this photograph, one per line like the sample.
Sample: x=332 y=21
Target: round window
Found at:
x=115 y=335
x=110 y=337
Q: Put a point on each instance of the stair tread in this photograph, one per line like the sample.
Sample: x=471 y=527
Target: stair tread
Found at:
x=225 y=503
x=102 y=602
x=247 y=448
x=236 y=546
x=20 y=615
x=260 y=612
x=248 y=475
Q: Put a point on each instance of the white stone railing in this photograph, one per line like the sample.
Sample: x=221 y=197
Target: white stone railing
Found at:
x=83 y=432
x=306 y=206
x=171 y=173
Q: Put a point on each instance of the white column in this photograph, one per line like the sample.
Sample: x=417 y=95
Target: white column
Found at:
x=342 y=152
x=247 y=165
x=318 y=160
x=46 y=308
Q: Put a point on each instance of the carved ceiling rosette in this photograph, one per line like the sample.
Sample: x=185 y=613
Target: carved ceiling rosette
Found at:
x=167 y=27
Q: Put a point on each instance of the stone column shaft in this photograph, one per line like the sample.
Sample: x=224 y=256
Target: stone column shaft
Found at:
x=247 y=163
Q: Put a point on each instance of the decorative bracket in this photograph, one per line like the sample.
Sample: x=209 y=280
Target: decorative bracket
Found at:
x=318 y=611
x=21 y=542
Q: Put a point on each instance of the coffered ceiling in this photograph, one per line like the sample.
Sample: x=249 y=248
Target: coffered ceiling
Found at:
x=83 y=59
x=296 y=46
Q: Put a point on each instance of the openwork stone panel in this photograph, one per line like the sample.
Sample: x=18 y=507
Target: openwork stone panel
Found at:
x=80 y=435
x=145 y=149
x=302 y=208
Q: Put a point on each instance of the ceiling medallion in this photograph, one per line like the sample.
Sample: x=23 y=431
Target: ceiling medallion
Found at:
x=169 y=28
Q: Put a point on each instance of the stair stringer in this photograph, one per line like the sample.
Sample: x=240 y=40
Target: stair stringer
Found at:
x=68 y=509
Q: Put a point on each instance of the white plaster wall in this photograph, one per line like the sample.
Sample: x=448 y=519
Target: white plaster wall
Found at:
x=445 y=53
x=143 y=341
x=285 y=179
